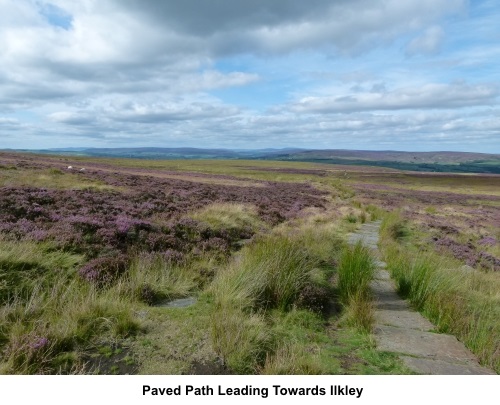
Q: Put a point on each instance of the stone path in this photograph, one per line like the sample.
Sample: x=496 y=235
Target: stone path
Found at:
x=399 y=329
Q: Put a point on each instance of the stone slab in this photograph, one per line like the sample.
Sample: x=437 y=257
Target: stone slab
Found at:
x=422 y=344
x=403 y=319
x=381 y=274
x=385 y=297
x=440 y=367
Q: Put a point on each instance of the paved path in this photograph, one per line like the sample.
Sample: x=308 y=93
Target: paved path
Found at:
x=399 y=329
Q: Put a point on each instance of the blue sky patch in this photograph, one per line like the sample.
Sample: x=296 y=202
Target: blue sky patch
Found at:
x=55 y=16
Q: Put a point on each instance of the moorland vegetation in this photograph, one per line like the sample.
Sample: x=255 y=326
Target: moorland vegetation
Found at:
x=90 y=260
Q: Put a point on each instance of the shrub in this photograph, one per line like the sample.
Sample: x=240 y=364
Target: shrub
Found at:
x=314 y=297
x=103 y=271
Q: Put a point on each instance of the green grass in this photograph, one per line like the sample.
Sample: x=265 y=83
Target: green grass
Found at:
x=464 y=304
x=355 y=271
x=69 y=318
x=152 y=278
x=27 y=266
x=48 y=178
x=277 y=272
x=48 y=313
x=229 y=216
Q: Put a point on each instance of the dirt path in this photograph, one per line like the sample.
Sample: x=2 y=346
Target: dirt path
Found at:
x=399 y=329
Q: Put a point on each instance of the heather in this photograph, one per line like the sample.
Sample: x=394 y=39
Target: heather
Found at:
x=90 y=261
x=75 y=260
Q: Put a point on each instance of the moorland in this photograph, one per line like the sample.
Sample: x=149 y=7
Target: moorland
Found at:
x=95 y=252
x=450 y=162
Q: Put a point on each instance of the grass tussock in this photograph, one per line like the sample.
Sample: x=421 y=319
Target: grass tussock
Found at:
x=48 y=333
x=299 y=334
x=152 y=278
x=394 y=227
x=355 y=271
x=49 y=317
x=229 y=216
x=466 y=304
x=242 y=340
x=26 y=267
x=278 y=272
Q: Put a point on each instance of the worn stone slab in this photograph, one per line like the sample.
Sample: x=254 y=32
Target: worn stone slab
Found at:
x=439 y=367
x=369 y=241
x=402 y=319
x=381 y=274
x=423 y=344
x=385 y=297
x=391 y=310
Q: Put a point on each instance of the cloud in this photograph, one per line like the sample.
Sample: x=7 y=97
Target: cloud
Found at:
x=429 y=43
x=428 y=96
x=262 y=26
x=9 y=123
x=64 y=49
x=138 y=72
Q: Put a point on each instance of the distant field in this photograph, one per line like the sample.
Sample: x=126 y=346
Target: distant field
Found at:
x=454 y=162
x=92 y=255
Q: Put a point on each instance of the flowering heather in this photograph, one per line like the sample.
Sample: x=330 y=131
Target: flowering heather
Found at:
x=488 y=241
x=39 y=343
x=104 y=270
x=138 y=212
x=464 y=252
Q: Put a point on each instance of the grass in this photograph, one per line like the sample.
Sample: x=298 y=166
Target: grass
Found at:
x=46 y=333
x=265 y=319
x=466 y=304
x=355 y=271
x=152 y=278
x=293 y=299
x=242 y=340
x=48 y=178
x=26 y=267
x=229 y=216
x=277 y=272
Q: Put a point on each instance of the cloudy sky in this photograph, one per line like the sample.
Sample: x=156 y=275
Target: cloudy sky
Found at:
x=353 y=74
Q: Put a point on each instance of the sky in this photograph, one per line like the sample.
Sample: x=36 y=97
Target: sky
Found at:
x=416 y=75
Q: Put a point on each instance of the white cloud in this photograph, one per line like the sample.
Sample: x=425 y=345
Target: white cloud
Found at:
x=429 y=43
x=428 y=96
x=145 y=72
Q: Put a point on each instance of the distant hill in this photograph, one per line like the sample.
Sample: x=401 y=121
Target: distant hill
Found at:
x=458 y=162
x=462 y=162
x=395 y=156
x=168 y=153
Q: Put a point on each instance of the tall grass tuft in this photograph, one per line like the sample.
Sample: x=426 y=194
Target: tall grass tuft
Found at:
x=461 y=303
x=229 y=216
x=270 y=273
x=277 y=272
x=394 y=227
x=240 y=339
x=152 y=277
x=355 y=271
x=50 y=315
